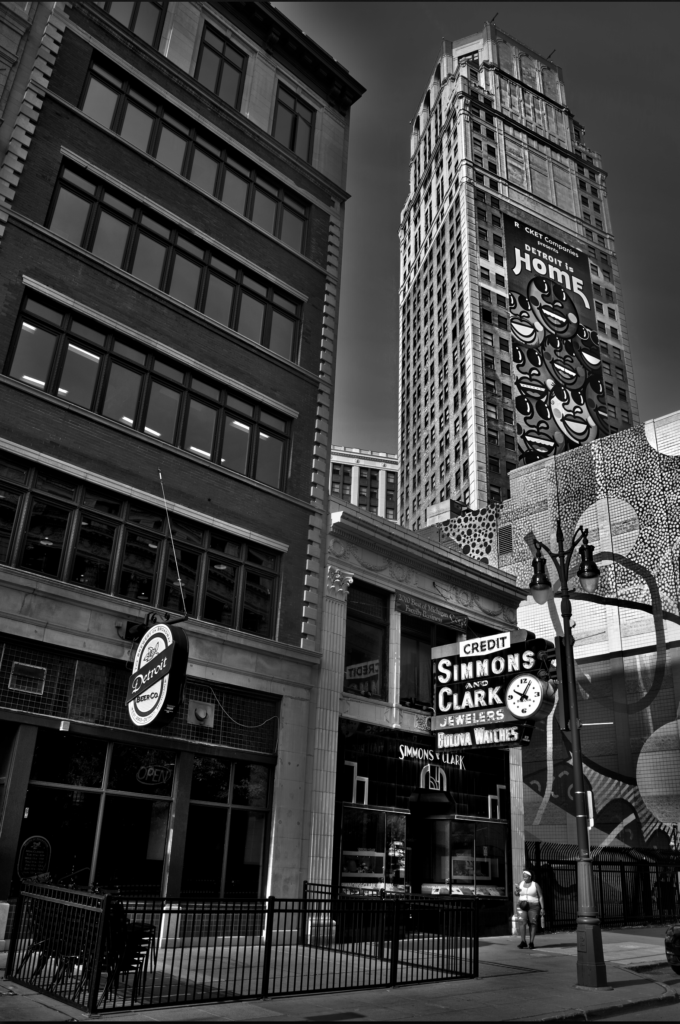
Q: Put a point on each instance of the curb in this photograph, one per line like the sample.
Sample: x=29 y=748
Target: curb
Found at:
x=603 y=1012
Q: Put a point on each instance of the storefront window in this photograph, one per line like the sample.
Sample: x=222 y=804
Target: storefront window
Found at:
x=373 y=849
x=101 y=813
x=461 y=857
x=366 y=641
x=225 y=846
x=73 y=787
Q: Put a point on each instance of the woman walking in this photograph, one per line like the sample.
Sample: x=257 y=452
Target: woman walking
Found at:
x=529 y=902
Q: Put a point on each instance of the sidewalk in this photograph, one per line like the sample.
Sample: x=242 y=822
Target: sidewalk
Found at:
x=513 y=984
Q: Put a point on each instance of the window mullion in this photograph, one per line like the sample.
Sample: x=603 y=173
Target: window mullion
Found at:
x=58 y=360
x=70 y=542
x=239 y=594
x=117 y=553
x=20 y=526
x=201 y=584
x=163 y=561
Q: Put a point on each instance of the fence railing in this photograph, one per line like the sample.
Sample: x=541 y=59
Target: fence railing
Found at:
x=103 y=953
x=630 y=888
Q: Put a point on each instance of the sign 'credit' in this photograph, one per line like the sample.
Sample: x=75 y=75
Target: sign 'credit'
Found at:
x=157 y=681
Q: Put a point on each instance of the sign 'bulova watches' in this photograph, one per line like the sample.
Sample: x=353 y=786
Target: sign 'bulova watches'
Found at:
x=487 y=689
x=157 y=681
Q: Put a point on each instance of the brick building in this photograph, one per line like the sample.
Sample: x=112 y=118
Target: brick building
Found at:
x=172 y=194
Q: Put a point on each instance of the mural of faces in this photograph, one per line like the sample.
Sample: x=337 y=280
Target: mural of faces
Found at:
x=559 y=394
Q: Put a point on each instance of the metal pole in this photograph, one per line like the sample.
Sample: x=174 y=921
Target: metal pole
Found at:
x=591 y=971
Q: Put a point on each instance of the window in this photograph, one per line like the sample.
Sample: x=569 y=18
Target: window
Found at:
x=220 y=67
x=614 y=332
x=510 y=442
x=293 y=123
x=620 y=372
x=58 y=526
x=493 y=437
x=611 y=312
x=609 y=388
x=369 y=482
x=622 y=395
x=506 y=390
x=98 y=219
x=390 y=495
x=415 y=676
x=492 y=412
x=341 y=481
x=87 y=365
x=366 y=641
x=148 y=122
x=494 y=464
x=144 y=19
x=625 y=417
x=505 y=367
x=507 y=416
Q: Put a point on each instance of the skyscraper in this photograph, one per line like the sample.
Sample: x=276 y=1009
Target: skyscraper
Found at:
x=513 y=339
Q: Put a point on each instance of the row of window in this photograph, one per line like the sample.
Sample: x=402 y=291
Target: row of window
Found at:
x=221 y=68
x=107 y=224
x=54 y=525
x=366 y=648
x=156 y=128
x=81 y=362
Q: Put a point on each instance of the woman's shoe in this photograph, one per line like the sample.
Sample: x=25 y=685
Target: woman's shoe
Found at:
x=531 y=945
x=522 y=945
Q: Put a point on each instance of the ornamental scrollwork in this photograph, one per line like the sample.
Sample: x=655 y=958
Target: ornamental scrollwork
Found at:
x=337 y=582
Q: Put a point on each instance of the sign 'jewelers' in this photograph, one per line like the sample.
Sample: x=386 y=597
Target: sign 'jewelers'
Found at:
x=157 y=681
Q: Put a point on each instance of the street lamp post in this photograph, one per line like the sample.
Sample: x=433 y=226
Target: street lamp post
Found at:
x=591 y=971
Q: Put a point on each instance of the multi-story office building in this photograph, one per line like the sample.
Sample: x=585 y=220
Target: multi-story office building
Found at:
x=367 y=479
x=513 y=339
x=172 y=193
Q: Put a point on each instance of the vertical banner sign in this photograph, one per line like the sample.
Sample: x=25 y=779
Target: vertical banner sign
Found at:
x=557 y=371
x=157 y=681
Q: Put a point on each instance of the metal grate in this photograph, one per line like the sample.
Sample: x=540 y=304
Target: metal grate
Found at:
x=88 y=690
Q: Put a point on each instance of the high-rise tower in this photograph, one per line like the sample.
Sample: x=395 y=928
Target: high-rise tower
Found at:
x=513 y=340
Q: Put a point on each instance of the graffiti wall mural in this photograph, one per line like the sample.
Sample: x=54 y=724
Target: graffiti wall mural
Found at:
x=625 y=488
x=557 y=371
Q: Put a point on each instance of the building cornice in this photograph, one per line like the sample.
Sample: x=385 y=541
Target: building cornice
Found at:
x=404 y=547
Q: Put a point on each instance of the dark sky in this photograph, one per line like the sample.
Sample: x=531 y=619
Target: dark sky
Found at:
x=619 y=63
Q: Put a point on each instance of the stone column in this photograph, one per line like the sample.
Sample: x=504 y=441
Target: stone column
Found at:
x=382 y=491
x=326 y=713
x=355 y=485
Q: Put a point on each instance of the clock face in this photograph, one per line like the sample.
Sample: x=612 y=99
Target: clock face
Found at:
x=524 y=695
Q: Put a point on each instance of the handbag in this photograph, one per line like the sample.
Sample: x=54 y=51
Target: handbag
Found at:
x=523 y=904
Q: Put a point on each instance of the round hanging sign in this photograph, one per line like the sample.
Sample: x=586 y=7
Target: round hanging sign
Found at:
x=157 y=681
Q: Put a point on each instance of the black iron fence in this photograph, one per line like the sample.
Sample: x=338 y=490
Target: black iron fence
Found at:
x=631 y=886
x=105 y=952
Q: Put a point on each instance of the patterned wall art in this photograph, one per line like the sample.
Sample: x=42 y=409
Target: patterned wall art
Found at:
x=625 y=488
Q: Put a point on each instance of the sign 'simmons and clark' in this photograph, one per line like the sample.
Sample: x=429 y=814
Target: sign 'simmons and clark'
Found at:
x=486 y=691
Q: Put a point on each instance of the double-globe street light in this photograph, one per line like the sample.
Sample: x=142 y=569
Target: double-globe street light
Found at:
x=591 y=970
